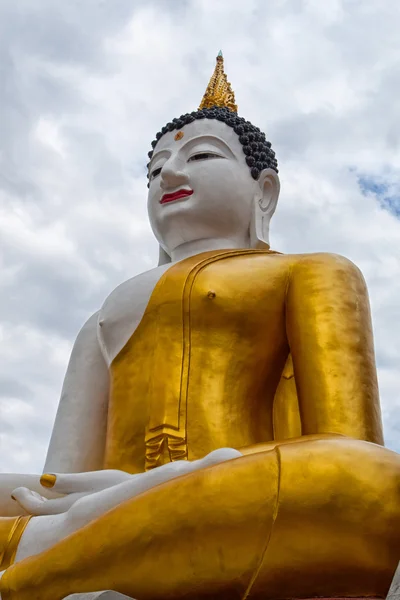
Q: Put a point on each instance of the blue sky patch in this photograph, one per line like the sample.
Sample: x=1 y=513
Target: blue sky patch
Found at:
x=386 y=194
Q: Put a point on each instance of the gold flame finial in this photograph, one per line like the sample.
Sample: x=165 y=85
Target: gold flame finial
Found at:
x=219 y=92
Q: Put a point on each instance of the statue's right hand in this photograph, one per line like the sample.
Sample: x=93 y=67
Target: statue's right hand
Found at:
x=94 y=488
x=72 y=486
x=87 y=496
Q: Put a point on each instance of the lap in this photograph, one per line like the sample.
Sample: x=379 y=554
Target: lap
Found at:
x=271 y=520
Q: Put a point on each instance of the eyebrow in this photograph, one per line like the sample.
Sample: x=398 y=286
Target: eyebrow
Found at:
x=156 y=155
x=192 y=142
x=209 y=138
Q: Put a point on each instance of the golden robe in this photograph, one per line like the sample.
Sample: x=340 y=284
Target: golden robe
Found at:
x=202 y=369
x=294 y=518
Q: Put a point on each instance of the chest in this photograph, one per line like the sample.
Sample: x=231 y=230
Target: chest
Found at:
x=202 y=366
x=236 y=285
x=123 y=310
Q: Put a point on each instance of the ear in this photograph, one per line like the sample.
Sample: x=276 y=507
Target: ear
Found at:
x=163 y=257
x=264 y=205
x=269 y=187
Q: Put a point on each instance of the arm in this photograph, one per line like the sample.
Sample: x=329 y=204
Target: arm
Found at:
x=330 y=336
x=78 y=439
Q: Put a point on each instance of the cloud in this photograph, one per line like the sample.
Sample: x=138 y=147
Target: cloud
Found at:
x=85 y=86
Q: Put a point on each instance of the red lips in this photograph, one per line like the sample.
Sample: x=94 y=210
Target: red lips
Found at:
x=175 y=196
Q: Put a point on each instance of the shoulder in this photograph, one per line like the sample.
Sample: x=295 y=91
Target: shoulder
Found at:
x=326 y=271
x=123 y=310
x=88 y=332
x=298 y=266
x=86 y=344
x=121 y=291
x=119 y=301
x=323 y=261
x=137 y=289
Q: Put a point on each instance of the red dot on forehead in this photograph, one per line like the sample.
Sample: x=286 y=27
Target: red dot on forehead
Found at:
x=179 y=136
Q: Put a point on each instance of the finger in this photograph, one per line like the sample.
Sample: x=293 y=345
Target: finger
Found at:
x=37 y=505
x=59 y=505
x=92 y=481
x=30 y=501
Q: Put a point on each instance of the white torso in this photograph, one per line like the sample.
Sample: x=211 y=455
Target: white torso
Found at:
x=123 y=310
x=78 y=438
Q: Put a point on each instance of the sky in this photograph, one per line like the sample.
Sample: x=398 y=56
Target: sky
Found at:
x=84 y=87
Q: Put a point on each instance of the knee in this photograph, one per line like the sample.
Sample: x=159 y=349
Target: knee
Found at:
x=221 y=455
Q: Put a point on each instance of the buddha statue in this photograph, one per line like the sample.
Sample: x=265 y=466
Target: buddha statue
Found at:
x=219 y=431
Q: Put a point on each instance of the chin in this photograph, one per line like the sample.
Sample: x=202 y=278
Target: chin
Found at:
x=174 y=215
x=194 y=218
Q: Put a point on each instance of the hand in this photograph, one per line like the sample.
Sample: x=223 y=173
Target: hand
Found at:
x=72 y=486
x=77 y=487
x=90 y=495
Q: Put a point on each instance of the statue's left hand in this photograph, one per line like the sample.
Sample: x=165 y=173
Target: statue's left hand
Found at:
x=72 y=486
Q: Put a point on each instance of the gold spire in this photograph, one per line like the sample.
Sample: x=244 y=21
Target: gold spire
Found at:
x=219 y=92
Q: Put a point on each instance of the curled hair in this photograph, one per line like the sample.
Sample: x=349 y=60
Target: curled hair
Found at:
x=258 y=151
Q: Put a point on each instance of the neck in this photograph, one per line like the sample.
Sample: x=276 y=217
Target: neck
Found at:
x=197 y=246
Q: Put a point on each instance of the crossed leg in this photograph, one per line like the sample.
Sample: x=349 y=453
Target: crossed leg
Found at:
x=318 y=518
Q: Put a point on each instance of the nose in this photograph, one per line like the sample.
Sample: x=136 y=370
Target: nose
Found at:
x=172 y=176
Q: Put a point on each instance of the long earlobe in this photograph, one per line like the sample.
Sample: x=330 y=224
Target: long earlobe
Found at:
x=264 y=205
x=259 y=227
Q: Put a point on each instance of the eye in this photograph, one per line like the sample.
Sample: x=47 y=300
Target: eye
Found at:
x=155 y=173
x=203 y=156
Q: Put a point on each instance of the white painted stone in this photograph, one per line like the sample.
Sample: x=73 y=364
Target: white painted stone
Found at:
x=225 y=198
x=394 y=592
x=123 y=310
x=92 y=495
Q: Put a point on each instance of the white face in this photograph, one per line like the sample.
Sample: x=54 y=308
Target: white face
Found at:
x=200 y=186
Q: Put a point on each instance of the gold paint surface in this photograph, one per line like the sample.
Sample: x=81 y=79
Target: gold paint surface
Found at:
x=206 y=371
x=48 y=480
x=299 y=521
x=282 y=350
x=329 y=331
x=11 y=530
x=179 y=135
x=208 y=367
x=286 y=414
x=219 y=91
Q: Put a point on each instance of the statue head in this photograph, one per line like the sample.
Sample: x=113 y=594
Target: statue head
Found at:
x=212 y=175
